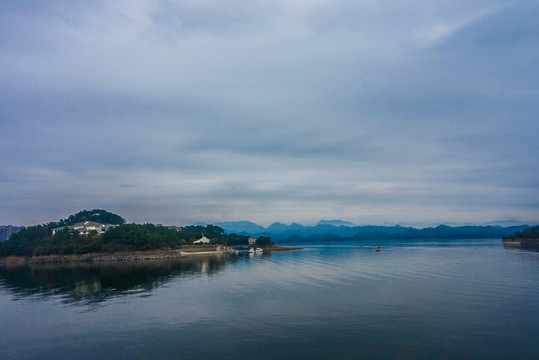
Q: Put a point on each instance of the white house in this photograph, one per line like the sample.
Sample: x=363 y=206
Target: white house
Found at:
x=252 y=241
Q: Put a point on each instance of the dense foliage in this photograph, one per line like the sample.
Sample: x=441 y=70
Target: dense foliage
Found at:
x=69 y=242
x=97 y=215
x=24 y=242
x=38 y=239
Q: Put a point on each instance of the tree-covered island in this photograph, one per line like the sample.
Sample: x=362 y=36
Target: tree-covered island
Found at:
x=99 y=231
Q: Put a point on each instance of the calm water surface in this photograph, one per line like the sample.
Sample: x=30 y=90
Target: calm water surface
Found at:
x=413 y=300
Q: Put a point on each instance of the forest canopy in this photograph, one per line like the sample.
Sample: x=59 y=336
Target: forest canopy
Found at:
x=97 y=215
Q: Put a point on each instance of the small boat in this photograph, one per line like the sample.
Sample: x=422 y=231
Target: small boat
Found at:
x=255 y=251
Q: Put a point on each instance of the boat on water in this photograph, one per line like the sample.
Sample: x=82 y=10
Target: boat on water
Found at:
x=255 y=251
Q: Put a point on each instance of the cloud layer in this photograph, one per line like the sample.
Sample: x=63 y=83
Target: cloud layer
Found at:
x=186 y=111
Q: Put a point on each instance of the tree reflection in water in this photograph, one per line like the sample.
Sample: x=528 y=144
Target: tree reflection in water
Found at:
x=95 y=283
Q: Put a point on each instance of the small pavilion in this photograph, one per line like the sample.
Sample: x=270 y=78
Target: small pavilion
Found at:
x=203 y=240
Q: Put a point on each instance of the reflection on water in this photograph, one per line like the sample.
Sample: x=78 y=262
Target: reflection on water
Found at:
x=533 y=248
x=447 y=299
x=93 y=283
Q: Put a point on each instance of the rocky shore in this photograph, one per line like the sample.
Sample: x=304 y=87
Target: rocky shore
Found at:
x=126 y=256
x=104 y=257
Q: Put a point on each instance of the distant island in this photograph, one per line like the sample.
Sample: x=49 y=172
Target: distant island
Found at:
x=527 y=238
x=103 y=233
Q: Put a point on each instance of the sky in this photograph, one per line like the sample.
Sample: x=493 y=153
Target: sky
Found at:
x=177 y=112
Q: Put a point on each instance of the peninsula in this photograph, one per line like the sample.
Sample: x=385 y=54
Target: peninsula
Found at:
x=99 y=235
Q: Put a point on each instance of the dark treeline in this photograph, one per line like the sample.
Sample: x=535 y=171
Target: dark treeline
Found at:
x=531 y=233
x=38 y=239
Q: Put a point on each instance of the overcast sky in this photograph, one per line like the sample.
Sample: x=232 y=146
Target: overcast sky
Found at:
x=178 y=112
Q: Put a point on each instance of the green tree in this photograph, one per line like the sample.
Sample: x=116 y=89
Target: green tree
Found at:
x=97 y=215
x=264 y=241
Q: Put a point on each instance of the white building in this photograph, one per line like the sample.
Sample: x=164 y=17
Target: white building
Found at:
x=7 y=230
x=85 y=227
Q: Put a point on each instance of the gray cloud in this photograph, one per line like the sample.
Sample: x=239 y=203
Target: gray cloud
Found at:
x=178 y=112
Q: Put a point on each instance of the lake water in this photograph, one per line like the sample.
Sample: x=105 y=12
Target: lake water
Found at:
x=452 y=299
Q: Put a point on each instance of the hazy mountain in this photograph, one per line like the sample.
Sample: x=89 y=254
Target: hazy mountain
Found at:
x=325 y=229
x=241 y=227
x=277 y=228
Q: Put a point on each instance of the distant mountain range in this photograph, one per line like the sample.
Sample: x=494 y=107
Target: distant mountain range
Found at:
x=338 y=229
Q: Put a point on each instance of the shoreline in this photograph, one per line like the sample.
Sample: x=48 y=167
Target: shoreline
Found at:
x=524 y=243
x=124 y=256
